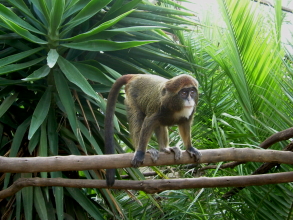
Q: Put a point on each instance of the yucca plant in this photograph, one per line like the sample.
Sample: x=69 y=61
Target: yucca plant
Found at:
x=58 y=60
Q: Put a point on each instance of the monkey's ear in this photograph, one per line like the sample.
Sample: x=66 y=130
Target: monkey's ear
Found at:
x=164 y=92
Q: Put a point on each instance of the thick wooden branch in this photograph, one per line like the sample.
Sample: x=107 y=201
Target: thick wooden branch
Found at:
x=153 y=186
x=275 y=138
x=71 y=163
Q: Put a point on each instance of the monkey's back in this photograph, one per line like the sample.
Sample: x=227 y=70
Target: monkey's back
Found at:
x=144 y=91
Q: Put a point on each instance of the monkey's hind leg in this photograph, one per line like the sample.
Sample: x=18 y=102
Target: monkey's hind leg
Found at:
x=163 y=140
x=148 y=126
x=184 y=130
x=161 y=133
x=135 y=119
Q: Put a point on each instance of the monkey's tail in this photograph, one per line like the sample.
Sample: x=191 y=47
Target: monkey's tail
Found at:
x=109 y=122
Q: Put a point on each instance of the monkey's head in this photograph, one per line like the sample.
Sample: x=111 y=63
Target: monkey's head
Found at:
x=175 y=84
x=180 y=94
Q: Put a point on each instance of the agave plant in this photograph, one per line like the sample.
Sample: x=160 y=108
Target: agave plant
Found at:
x=58 y=60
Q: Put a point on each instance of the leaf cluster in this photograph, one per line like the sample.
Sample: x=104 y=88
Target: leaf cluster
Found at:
x=58 y=60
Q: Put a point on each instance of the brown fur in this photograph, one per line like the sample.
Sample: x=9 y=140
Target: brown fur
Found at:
x=175 y=84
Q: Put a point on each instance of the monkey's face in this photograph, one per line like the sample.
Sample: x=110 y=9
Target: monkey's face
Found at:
x=181 y=104
x=189 y=96
x=188 y=99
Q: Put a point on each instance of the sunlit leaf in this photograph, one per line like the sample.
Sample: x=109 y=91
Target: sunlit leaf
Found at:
x=52 y=58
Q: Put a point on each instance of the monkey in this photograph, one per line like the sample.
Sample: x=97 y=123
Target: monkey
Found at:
x=153 y=103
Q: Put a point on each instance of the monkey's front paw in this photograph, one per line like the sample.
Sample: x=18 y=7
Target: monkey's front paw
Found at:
x=154 y=154
x=176 y=151
x=194 y=153
x=138 y=158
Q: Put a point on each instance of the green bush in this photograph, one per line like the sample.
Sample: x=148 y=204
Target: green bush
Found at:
x=58 y=60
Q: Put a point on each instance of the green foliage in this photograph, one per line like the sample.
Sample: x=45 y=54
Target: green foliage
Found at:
x=56 y=58
x=246 y=96
x=59 y=59
x=246 y=92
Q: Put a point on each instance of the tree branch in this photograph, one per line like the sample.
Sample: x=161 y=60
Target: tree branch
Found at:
x=277 y=137
x=264 y=168
x=264 y=2
x=153 y=186
x=71 y=163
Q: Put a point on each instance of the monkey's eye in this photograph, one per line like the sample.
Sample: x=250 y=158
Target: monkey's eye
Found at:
x=183 y=94
x=192 y=92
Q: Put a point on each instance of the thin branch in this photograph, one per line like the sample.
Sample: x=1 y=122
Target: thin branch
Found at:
x=280 y=136
x=153 y=186
x=223 y=166
x=71 y=163
x=286 y=9
x=146 y=174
